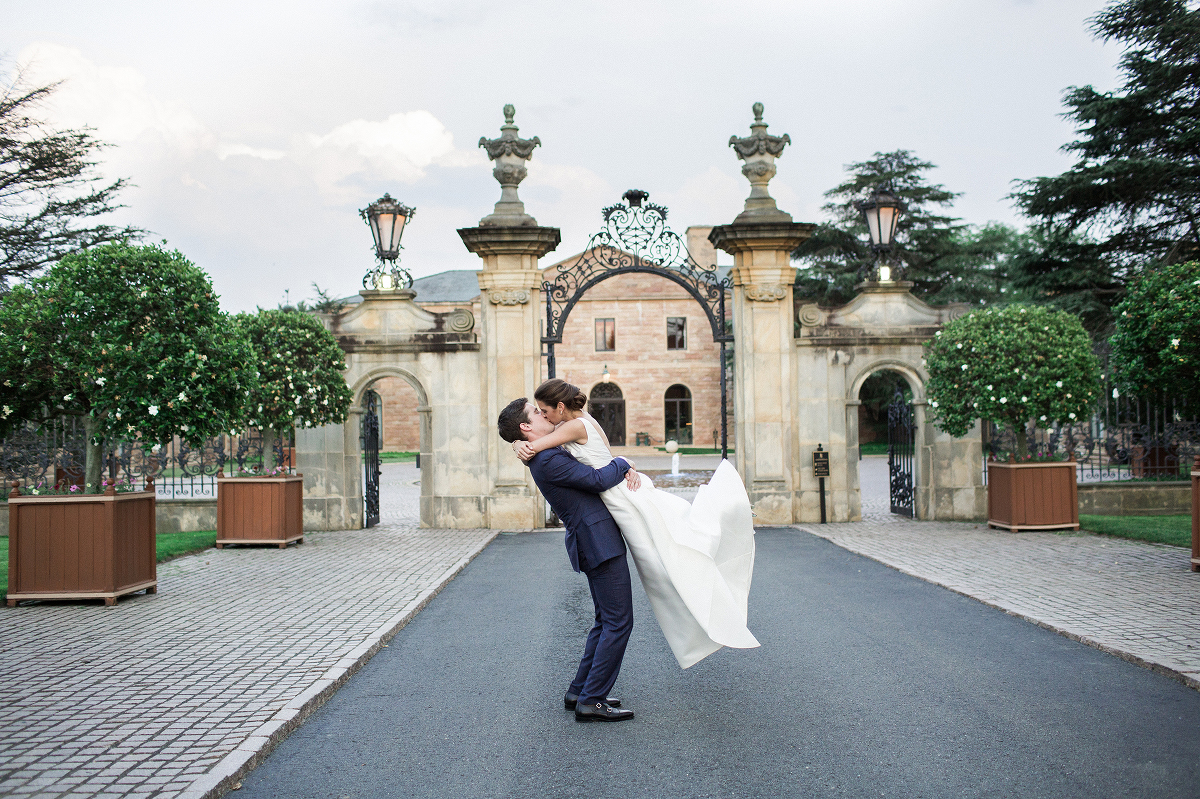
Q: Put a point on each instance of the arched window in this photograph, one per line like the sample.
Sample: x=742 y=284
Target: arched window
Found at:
x=677 y=408
x=606 y=404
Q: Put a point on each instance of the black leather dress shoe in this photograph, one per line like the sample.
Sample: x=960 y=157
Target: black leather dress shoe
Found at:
x=598 y=711
x=570 y=700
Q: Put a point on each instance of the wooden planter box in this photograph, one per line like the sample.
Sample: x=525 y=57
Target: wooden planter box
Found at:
x=260 y=510
x=1033 y=496
x=94 y=546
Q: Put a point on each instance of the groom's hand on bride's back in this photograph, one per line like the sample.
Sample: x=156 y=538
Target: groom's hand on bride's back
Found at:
x=633 y=479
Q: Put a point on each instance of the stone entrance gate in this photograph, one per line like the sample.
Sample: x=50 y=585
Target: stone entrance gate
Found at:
x=796 y=382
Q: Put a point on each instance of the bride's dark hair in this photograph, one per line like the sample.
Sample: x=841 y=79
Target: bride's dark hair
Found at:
x=554 y=391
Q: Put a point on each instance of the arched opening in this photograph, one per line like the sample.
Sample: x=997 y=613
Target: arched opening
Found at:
x=606 y=404
x=885 y=467
x=402 y=430
x=677 y=410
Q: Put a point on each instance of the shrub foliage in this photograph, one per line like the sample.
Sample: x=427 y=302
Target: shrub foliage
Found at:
x=1156 y=346
x=1010 y=366
x=129 y=337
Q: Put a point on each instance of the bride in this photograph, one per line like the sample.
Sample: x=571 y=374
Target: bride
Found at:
x=695 y=560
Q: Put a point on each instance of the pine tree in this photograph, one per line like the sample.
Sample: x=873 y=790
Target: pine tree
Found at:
x=947 y=261
x=48 y=184
x=1135 y=189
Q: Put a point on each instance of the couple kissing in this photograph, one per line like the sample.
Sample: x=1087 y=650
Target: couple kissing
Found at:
x=695 y=560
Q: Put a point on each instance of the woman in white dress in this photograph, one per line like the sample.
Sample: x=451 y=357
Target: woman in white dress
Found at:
x=695 y=560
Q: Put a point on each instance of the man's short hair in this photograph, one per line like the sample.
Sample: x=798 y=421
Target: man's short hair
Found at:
x=511 y=418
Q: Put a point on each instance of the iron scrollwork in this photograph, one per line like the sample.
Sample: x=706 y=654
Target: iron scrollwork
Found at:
x=635 y=238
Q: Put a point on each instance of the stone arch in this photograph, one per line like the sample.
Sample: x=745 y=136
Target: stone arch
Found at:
x=424 y=413
x=914 y=376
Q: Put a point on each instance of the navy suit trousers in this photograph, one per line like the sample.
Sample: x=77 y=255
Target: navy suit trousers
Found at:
x=612 y=594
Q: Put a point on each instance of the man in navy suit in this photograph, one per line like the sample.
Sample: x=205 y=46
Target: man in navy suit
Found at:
x=595 y=547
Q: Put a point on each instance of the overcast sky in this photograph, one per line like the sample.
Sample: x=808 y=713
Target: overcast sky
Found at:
x=254 y=131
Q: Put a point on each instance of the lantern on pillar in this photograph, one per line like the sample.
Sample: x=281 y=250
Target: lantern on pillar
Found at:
x=882 y=212
x=387 y=217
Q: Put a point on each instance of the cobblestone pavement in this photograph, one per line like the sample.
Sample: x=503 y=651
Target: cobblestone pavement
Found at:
x=178 y=694
x=1136 y=600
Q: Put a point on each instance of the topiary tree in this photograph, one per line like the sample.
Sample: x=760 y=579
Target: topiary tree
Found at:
x=300 y=379
x=1156 y=346
x=1010 y=366
x=131 y=339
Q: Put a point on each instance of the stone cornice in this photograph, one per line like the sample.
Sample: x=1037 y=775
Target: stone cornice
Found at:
x=502 y=240
x=741 y=237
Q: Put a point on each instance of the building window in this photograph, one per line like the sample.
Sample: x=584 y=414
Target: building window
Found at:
x=677 y=332
x=677 y=407
x=606 y=335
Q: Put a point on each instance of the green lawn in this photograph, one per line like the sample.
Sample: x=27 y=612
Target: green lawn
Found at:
x=397 y=457
x=168 y=545
x=873 y=448
x=1174 y=530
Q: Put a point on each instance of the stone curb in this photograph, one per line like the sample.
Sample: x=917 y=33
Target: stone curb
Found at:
x=259 y=744
x=1190 y=680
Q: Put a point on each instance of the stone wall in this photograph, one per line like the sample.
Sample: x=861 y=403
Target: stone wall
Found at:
x=1135 y=499
x=399 y=416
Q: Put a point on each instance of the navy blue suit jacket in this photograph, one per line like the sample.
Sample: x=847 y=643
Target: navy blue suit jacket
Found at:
x=573 y=490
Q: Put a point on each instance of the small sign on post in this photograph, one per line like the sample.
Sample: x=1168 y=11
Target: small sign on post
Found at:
x=821 y=471
x=820 y=462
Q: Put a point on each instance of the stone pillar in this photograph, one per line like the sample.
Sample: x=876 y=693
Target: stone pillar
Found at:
x=761 y=240
x=330 y=458
x=510 y=243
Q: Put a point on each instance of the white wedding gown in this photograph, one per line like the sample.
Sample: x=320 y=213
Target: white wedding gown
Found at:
x=695 y=560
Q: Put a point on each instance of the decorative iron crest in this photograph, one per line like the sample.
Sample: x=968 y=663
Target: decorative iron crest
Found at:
x=635 y=238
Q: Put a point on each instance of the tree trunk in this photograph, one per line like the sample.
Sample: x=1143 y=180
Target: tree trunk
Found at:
x=1022 y=439
x=93 y=461
x=269 y=437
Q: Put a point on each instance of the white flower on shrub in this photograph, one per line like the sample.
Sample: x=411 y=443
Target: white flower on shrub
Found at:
x=933 y=403
x=1071 y=415
x=152 y=410
x=964 y=367
x=1116 y=394
x=100 y=381
x=67 y=398
x=1024 y=399
x=989 y=388
x=1003 y=400
x=182 y=397
x=1175 y=343
x=5 y=412
x=1059 y=384
x=1043 y=417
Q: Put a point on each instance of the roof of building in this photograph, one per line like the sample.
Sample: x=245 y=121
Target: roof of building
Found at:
x=454 y=285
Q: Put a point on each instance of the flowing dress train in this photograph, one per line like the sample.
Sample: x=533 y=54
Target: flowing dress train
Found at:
x=694 y=560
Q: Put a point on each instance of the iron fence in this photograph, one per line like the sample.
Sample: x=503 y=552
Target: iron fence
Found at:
x=1127 y=438
x=52 y=455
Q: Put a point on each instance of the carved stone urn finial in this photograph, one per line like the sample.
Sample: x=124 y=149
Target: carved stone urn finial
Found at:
x=759 y=151
x=510 y=152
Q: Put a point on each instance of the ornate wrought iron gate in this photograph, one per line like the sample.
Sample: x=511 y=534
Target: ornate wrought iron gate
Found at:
x=370 y=448
x=636 y=238
x=901 y=446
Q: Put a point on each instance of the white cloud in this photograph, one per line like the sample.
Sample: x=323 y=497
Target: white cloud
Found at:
x=113 y=100
x=400 y=148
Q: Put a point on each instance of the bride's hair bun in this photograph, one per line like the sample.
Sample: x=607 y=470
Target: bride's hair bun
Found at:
x=554 y=391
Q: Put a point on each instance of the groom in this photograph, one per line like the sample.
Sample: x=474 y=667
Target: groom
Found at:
x=595 y=547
